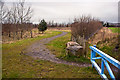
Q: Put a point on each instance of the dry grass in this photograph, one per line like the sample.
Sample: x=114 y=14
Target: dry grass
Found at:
x=68 y=29
x=106 y=40
x=101 y=35
x=35 y=33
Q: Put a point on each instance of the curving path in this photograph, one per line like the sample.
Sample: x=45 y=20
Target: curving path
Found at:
x=39 y=50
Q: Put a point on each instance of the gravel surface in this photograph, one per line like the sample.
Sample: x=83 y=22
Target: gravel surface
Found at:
x=38 y=50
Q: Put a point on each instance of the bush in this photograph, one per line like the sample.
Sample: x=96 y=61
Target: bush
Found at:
x=42 y=26
x=83 y=28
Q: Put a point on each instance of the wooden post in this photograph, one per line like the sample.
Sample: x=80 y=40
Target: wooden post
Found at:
x=13 y=35
x=86 y=48
x=31 y=33
x=16 y=34
x=9 y=34
x=21 y=34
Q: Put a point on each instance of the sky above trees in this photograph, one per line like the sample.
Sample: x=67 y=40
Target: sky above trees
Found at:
x=64 y=11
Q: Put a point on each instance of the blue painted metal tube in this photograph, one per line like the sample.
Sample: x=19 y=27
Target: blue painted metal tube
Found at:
x=102 y=66
x=99 y=70
x=93 y=54
x=97 y=58
x=104 y=58
x=109 y=70
x=107 y=57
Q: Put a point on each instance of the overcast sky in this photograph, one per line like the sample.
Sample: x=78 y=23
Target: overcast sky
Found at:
x=63 y=11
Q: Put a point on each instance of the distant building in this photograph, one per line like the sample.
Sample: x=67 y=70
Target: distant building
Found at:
x=114 y=24
x=107 y=24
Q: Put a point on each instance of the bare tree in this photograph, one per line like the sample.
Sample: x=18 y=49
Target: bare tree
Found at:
x=3 y=11
x=24 y=13
x=19 y=12
x=83 y=28
x=16 y=18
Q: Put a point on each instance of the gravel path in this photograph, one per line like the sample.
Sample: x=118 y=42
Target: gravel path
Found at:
x=39 y=50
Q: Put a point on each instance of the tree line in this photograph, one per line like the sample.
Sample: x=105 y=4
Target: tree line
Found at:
x=15 y=19
x=52 y=24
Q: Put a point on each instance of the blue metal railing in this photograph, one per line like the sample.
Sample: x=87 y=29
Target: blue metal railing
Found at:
x=104 y=58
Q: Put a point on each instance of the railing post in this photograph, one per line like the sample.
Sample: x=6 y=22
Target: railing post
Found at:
x=104 y=58
x=102 y=66
x=93 y=54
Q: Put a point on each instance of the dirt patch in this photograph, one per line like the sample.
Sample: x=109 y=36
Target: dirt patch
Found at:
x=38 y=50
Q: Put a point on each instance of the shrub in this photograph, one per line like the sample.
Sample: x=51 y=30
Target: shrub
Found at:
x=42 y=26
x=83 y=28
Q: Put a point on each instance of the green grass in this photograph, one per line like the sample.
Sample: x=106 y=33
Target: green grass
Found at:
x=108 y=46
x=21 y=44
x=111 y=51
x=16 y=65
x=115 y=30
x=58 y=47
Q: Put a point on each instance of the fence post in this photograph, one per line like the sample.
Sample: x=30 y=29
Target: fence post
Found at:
x=93 y=54
x=102 y=66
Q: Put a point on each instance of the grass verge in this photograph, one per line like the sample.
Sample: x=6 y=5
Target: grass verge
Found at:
x=115 y=30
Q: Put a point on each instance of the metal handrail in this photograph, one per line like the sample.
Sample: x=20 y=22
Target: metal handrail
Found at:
x=104 y=58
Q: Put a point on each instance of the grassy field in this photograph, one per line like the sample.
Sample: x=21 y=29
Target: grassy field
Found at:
x=115 y=30
x=17 y=65
x=58 y=47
